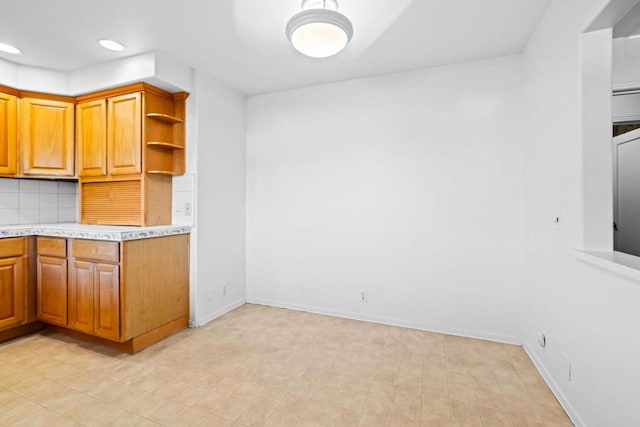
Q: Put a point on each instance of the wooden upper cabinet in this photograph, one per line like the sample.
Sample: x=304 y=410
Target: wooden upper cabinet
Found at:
x=145 y=147
x=124 y=134
x=47 y=138
x=91 y=138
x=109 y=135
x=8 y=134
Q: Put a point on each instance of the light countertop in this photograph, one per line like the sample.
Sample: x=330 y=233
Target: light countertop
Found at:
x=93 y=232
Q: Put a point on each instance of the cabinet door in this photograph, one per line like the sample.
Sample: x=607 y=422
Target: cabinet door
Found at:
x=91 y=138
x=12 y=288
x=107 y=301
x=8 y=135
x=47 y=139
x=81 y=276
x=52 y=290
x=124 y=134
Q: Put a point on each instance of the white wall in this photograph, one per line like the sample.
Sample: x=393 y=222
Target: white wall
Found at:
x=589 y=314
x=220 y=187
x=43 y=80
x=407 y=185
x=111 y=74
x=8 y=73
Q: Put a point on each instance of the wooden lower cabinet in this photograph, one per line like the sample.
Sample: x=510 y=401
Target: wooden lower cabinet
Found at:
x=107 y=301
x=52 y=290
x=52 y=280
x=94 y=298
x=128 y=295
x=12 y=292
x=81 y=296
x=17 y=287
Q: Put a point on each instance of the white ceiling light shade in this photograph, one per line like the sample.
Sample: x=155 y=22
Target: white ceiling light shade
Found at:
x=7 y=48
x=111 y=45
x=319 y=31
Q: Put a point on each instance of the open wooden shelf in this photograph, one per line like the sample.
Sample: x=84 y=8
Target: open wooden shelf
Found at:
x=160 y=172
x=165 y=145
x=164 y=118
x=164 y=136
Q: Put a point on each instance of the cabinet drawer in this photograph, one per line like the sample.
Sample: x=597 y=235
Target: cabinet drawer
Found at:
x=52 y=246
x=95 y=250
x=13 y=246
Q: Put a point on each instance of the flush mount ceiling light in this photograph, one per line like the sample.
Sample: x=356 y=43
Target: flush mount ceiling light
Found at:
x=7 y=48
x=319 y=31
x=111 y=45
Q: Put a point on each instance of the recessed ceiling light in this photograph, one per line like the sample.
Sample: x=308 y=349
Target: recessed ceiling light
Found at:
x=9 y=49
x=111 y=45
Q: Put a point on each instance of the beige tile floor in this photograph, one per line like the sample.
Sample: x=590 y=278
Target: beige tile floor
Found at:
x=262 y=366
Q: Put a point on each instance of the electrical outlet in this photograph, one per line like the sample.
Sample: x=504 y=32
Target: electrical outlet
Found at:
x=187 y=209
x=224 y=289
x=363 y=295
x=542 y=339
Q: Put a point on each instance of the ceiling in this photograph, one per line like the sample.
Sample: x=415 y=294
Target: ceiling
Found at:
x=242 y=42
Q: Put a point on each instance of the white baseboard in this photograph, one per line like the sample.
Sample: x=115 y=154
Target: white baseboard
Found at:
x=203 y=320
x=388 y=321
x=555 y=388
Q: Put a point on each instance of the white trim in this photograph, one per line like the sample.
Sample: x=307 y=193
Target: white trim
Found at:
x=554 y=387
x=224 y=310
x=596 y=168
x=389 y=321
x=620 y=263
x=624 y=88
x=624 y=106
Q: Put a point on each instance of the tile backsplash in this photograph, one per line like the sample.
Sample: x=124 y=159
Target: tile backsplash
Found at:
x=184 y=200
x=32 y=201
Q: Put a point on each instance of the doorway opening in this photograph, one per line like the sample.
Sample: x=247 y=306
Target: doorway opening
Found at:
x=626 y=172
